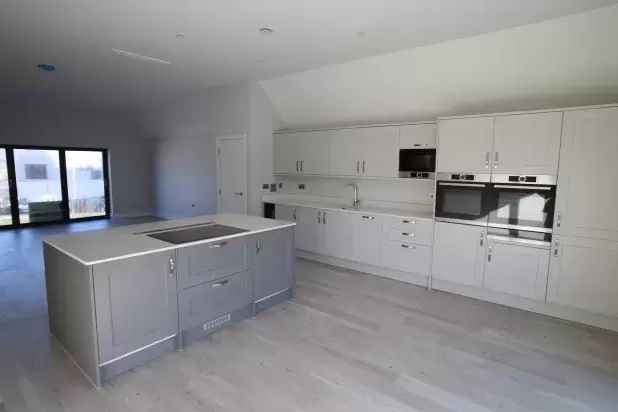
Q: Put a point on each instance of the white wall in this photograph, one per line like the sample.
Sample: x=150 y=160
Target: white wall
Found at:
x=130 y=155
x=564 y=62
x=186 y=152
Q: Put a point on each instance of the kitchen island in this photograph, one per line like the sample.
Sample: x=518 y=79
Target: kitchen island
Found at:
x=120 y=297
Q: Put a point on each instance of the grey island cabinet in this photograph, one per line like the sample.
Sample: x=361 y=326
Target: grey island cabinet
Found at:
x=120 y=297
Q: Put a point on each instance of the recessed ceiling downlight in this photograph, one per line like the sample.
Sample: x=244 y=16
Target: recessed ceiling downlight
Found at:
x=46 y=67
x=266 y=30
x=140 y=57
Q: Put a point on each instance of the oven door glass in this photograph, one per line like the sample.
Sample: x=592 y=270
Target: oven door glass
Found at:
x=462 y=201
x=526 y=207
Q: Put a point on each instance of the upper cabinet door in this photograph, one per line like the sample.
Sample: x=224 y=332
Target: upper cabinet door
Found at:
x=527 y=144
x=287 y=156
x=346 y=152
x=380 y=151
x=418 y=136
x=313 y=152
x=586 y=195
x=465 y=145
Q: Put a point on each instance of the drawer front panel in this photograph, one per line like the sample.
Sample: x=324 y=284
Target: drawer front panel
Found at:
x=409 y=236
x=203 y=263
x=406 y=257
x=409 y=224
x=203 y=303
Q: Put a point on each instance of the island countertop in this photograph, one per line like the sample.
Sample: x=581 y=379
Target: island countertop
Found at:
x=105 y=245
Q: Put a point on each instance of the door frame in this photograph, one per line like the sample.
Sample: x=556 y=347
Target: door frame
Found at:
x=10 y=158
x=243 y=137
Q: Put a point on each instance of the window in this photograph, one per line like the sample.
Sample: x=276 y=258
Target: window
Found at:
x=96 y=174
x=36 y=172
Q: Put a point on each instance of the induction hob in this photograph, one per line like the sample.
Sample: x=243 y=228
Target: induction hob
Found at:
x=194 y=234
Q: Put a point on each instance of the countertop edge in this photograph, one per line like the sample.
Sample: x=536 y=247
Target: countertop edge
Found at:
x=164 y=249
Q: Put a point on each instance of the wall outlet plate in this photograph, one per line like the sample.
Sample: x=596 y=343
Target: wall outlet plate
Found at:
x=280 y=185
x=273 y=187
x=301 y=186
x=265 y=186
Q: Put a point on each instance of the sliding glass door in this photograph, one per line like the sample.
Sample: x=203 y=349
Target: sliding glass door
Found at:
x=48 y=184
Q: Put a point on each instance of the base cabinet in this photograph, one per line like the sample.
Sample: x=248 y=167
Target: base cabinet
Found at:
x=307 y=229
x=365 y=239
x=584 y=274
x=459 y=253
x=135 y=302
x=273 y=267
x=516 y=270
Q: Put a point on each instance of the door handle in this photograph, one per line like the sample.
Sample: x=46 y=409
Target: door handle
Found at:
x=556 y=246
x=489 y=254
x=294 y=213
x=238 y=193
x=301 y=165
x=487 y=160
x=216 y=285
x=363 y=167
x=496 y=160
x=258 y=246
x=482 y=239
x=358 y=166
x=559 y=220
x=324 y=217
x=171 y=267
x=297 y=166
x=218 y=245
x=319 y=213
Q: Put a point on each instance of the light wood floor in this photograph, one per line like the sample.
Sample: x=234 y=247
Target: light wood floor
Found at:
x=347 y=342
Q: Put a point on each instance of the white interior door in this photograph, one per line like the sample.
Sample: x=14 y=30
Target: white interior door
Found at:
x=232 y=174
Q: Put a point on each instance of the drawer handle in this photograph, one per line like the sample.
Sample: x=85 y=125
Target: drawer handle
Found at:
x=369 y=217
x=411 y=222
x=407 y=234
x=408 y=247
x=216 y=285
x=216 y=245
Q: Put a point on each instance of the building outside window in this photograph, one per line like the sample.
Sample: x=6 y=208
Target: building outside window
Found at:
x=36 y=172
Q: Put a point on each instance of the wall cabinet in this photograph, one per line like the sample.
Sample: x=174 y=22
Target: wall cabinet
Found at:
x=459 y=253
x=418 y=136
x=346 y=153
x=465 y=145
x=135 y=303
x=527 y=144
x=516 y=270
x=273 y=267
x=586 y=196
x=365 y=239
x=286 y=153
x=302 y=153
x=584 y=274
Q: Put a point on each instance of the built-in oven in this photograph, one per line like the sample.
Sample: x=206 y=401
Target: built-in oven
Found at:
x=463 y=198
x=417 y=163
x=522 y=207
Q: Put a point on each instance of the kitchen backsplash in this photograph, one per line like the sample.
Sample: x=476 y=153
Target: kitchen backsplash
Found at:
x=414 y=191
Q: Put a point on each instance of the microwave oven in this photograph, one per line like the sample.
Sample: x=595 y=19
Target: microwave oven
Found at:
x=417 y=163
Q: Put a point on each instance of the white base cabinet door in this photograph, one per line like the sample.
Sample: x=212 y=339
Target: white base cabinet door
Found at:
x=366 y=239
x=516 y=270
x=334 y=237
x=307 y=229
x=465 y=145
x=527 y=144
x=285 y=212
x=459 y=253
x=584 y=274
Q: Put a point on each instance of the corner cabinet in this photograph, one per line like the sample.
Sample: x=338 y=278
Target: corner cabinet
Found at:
x=465 y=145
x=136 y=303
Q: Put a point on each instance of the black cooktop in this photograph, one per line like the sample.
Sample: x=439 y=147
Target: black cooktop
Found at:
x=194 y=234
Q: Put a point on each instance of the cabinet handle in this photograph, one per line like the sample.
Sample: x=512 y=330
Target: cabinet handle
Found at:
x=238 y=193
x=408 y=247
x=358 y=166
x=319 y=213
x=294 y=213
x=487 y=160
x=216 y=245
x=297 y=166
x=482 y=239
x=420 y=144
x=559 y=221
x=258 y=246
x=496 y=160
x=216 y=285
x=324 y=217
x=171 y=263
x=363 y=166
x=556 y=246
x=301 y=165
x=411 y=222
x=489 y=254
x=369 y=217
x=407 y=234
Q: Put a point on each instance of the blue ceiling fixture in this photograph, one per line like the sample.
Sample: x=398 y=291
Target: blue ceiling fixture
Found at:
x=46 y=67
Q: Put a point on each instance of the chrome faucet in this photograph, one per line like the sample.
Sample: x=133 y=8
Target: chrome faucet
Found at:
x=356 y=202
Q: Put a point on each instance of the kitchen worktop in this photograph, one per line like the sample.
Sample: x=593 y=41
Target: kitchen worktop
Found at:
x=326 y=204
x=105 y=245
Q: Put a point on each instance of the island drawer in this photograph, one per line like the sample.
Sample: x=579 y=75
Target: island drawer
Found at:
x=203 y=303
x=207 y=262
x=409 y=236
x=406 y=257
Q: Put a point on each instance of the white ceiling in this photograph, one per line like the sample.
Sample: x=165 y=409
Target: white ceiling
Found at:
x=221 y=43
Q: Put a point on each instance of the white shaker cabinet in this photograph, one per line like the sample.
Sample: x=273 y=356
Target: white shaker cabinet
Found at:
x=465 y=145
x=459 y=253
x=587 y=193
x=346 y=153
x=366 y=239
x=527 y=144
x=516 y=270
x=418 y=136
x=286 y=153
x=285 y=212
x=584 y=274
x=314 y=152
x=334 y=234
x=307 y=229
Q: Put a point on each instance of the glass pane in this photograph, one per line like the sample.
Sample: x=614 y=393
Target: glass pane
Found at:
x=462 y=202
x=5 y=199
x=39 y=191
x=85 y=183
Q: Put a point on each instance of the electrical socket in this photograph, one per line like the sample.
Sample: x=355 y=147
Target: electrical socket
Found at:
x=301 y=186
